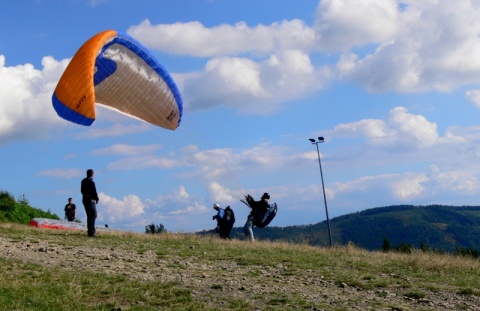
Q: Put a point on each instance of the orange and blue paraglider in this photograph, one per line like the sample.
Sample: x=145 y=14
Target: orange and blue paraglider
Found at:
x=114 y=70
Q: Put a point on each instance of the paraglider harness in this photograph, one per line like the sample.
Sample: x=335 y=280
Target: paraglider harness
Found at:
x=229 y=218
x=261 y=217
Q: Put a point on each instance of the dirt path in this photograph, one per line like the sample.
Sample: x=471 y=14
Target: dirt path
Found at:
x=211 y=284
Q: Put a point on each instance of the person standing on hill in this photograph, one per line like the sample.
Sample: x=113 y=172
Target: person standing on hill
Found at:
x=225 y=220
x=258 y=208
x=90 y=200
x=70 y=210
x=218 y=217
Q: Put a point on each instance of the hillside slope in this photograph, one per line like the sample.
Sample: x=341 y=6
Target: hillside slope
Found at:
x=438 y=227
x=65 y=270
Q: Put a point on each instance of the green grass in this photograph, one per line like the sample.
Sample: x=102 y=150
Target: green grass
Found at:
x=28 y=285
x=31 y=287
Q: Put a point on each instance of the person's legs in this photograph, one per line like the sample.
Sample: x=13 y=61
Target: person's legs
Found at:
x=91 y=211
x=223 y=232
x=248 y=230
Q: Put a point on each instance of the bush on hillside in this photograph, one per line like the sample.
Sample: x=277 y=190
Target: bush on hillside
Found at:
x=19 y=211
x=155 y=229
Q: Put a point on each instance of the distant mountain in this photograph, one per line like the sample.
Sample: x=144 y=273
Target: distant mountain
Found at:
x=437 y=227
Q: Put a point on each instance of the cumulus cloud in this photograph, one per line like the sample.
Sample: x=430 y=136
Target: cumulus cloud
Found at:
x=224 y=163
x=374 y=190
x=195 y=39
x=25 y=107
x=473 y=96
x=413 y=55
x=401 y=131
x=180 y=209
x=176 y=211
x=344 y=24
x=118 y=210
x=254 y=87
x=408 y=187
x=452 y=182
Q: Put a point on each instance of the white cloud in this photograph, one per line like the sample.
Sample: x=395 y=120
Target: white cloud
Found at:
x=26 y=111
x=406 y=188
x=400 y=131
x=221 y=195
x=251 y=87
x=344 y=24
x=435 y=47
x=457 y=182
x=195 y=39
x=473 y=96
x=116 y=211
x=176 y=211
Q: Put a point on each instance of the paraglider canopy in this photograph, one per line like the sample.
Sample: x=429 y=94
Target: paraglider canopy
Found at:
x=115 y=70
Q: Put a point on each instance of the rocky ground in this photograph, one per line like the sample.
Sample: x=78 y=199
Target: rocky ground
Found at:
x=234 y=281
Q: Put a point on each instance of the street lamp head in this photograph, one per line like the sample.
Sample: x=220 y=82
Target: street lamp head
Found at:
x=312 y=140
x=321 y=139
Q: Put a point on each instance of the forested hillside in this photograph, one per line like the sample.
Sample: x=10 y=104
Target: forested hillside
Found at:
x=437 y=227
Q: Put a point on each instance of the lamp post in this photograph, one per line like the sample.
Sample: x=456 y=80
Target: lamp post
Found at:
x=314 y=142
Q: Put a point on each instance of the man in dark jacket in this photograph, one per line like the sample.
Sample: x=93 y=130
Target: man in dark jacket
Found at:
x=90 y=200
x=70 y=210
x=258 y=208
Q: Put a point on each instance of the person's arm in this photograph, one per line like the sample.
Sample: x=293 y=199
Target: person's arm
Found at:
x=250 y=200
x=93 y=191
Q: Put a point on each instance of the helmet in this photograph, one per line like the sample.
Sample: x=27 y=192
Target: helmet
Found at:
x=216 y=205
x=266 y=195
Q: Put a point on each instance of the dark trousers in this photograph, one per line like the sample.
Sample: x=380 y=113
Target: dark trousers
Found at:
x=224 y=231
x=91 y=211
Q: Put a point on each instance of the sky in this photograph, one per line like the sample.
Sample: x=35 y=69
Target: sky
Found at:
x=392 y=86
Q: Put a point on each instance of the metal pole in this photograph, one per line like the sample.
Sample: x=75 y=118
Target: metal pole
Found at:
x=324 y=196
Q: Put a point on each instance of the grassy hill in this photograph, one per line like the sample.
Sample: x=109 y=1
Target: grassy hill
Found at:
x=437 y=227
x=46 y=269
x=434 y=227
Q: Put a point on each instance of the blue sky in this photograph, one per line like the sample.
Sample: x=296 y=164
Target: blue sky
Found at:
x=393 y=86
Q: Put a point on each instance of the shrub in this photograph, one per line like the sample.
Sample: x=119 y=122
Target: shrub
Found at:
x=151 y=228
x=19 y=211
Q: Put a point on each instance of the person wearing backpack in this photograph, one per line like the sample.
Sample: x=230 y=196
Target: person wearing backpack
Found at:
x=259 y=208
x=226 y=223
